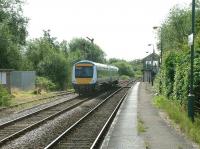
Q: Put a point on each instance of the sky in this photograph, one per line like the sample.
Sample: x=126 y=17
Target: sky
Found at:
x=122 y=28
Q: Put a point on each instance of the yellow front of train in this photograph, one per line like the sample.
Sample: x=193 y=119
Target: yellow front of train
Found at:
x=83 y=77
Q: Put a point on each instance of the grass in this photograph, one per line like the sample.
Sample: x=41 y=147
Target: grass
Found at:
x=140 y=126
x=26 y=96
x=178 y=114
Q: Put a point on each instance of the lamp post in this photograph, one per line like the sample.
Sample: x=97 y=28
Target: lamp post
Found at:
x=191 y=96
x=161 y=47
x=152 y=59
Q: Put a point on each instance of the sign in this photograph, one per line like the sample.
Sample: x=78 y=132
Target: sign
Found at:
x=190 y=39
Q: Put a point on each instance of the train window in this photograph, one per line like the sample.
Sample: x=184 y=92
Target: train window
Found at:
x=84 y=72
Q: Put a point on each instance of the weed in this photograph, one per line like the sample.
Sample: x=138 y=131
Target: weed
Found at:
x=140 y=126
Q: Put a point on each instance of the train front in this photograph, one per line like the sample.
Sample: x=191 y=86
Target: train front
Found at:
x=83 y=77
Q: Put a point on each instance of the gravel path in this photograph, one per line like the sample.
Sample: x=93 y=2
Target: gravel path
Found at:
x=158 y=135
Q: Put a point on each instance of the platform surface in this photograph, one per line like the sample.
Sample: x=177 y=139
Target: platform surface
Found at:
x=123 y=132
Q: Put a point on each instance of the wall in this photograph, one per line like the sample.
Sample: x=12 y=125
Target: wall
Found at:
x=23 y=80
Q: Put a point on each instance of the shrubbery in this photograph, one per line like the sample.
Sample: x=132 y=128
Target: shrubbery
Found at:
x=173 y=79
x=124 y=77
x=4 y=97
x=43 y=83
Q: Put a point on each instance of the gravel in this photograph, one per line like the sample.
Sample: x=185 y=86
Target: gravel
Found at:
x=43 y=135
x=35 y=108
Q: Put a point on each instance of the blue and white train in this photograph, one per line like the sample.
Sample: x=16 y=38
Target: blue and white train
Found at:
x=88 y=76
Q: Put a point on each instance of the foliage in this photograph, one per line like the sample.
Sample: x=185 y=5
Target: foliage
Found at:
x=176 y=28
x=83 y=49
x=165 y=77
x=4 y=97
x=13 y=33
x=124 y=77
x=49 y=58
x=197 y=78
x=55 y=67
x=45 y=84
x=177 y=113
x=180 y=87
x=137 y=66
x=38 y=49
x=125 y=67
x=140 y=126
x=173 y=78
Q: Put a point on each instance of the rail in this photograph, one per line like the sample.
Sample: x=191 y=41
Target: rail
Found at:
x=106 y=125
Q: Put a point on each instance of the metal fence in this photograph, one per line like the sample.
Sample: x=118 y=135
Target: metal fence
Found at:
x=23 y=80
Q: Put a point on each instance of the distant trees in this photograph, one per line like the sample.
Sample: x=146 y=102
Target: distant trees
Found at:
x=125 y=68
x=47 y=57
x=80 y=49
x=52 y=60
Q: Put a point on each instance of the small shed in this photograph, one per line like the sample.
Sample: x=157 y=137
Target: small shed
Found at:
x=151 y=64
x=5 y=78
x=23 y=80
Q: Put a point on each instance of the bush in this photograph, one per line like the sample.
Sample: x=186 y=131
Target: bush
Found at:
x=124 y=77
x=4 y=97
x=181 y=84
x=55 y=68
x=43 y=83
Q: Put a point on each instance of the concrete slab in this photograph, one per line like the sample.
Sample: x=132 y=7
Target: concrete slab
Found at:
x=123 y=132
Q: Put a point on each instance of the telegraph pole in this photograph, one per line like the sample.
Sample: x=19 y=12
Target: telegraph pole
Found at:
x=191 y=96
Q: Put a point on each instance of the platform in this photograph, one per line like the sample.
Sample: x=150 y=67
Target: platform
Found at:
x=123 y=132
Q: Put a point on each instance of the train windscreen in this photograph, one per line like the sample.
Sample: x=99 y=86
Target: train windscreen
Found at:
x=83 y=71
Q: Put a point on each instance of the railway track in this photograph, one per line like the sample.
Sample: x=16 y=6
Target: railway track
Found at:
x=88 y=131
x=36 y=102
x=12 y=133
x=14 y=128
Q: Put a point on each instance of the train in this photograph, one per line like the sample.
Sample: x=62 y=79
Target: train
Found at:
x=89 y=76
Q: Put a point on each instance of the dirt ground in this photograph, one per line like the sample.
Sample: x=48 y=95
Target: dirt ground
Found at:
x=158 y=133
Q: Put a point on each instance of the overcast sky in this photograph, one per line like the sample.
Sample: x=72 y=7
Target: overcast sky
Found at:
x=122 y=28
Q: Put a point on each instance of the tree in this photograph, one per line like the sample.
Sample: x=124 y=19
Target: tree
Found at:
x=54 y=66
x=83 y=49
x=137 y=66
x=125 y=68
x=176 y=28
x=13 y=33
x=49 y=58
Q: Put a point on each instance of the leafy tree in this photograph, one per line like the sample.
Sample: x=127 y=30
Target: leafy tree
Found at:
x=125 y=68
x=176 y=28
x=54 y=67
x=173 y=78
x=137 y=66
x=83 y=49
x=49 y=58
x=13 y=33
x=39 y=48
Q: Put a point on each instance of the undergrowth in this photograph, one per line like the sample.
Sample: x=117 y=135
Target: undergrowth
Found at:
x=4 y=97
x=140 y=126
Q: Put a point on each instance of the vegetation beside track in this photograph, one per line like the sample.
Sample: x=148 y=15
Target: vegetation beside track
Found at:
x=21 y=100
x=140 y=126
x=178 y=115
